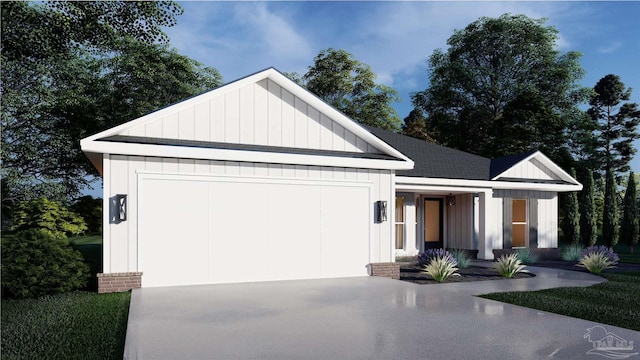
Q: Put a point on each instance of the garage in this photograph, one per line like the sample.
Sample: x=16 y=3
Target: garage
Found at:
x=257 y=180
x=223 y=229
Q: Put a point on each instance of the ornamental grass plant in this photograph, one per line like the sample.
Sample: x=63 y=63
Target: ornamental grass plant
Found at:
x=509 y=265
x=527 y=256
x=462 y=258
x=598 y=258
x=441 y=268
x=571 y=252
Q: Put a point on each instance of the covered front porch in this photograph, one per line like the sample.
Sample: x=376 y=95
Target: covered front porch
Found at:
x=475 y=219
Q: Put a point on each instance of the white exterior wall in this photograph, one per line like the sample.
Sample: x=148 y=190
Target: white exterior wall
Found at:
x=120 y=177
x=261 y=113
x=548 y=222
x=460 y=223
x=531 y=169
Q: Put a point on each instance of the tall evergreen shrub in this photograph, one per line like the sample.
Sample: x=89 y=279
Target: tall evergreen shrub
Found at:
x=630 y=228
x=610 y=226
x=588 y=214
x=571 y=225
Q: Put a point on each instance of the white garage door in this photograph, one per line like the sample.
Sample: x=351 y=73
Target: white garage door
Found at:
x=208 y=230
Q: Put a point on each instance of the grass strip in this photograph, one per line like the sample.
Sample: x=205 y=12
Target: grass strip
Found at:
x=77 y=325
x=614 y=302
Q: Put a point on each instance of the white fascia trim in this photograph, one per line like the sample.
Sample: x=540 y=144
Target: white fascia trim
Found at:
x=282 y=81
x=486 y=184
x=240 y=155
x=436 y=188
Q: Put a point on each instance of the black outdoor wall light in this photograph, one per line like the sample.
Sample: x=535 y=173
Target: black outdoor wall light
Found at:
x=381 y=211
x=121 y=205
x=451 y=200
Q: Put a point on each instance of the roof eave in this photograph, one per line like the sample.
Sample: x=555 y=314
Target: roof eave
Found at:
x=132 y=149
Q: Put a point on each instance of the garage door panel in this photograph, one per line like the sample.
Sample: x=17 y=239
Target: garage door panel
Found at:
x=176 y=242
x=238 y=224
x=249 y=229
x=345 y=232
x=294 y=218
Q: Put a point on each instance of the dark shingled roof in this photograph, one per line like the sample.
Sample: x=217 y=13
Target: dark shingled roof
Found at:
x=244 y=147
x=500 y=165
x=436 y=161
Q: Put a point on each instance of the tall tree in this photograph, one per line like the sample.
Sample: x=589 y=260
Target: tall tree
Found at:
x=610 y=226
x=618 y=122
x=630 y=227
x=571 y=224
x=502 y=87
x=70 y=69
x=415 y=125
x=588 y=215
x=349 y=86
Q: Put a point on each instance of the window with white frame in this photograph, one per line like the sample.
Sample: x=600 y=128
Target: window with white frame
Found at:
x=519 y=223
x=400 y=221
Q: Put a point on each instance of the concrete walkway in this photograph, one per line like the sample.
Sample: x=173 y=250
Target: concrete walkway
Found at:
x=356 y=318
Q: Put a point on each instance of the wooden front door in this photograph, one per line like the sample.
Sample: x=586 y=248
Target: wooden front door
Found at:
x=432 y=223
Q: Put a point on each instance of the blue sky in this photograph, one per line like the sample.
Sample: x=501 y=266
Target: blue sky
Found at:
x=395 y=38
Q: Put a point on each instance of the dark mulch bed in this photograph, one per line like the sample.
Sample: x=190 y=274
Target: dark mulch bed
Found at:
x=411 y=272
x=569 y=265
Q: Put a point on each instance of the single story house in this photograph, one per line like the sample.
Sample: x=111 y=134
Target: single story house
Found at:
x=261 y=180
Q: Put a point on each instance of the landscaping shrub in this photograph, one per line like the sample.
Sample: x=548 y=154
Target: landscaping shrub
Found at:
x=90 y=209
x=50 y=215
x=571 y=252
x=430 y=254
x=527 y=256
x=441 y=268
x=598 y=258
x=462 y=258
x=36 y=263
x=509 y=265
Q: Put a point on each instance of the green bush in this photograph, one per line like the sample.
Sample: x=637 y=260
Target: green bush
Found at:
x=91 y=210
x=441 y=268
x=527 y=256
x=50 y=215
x=35 y=263
x=571 y=252
x=509 y=265
x=462 y=258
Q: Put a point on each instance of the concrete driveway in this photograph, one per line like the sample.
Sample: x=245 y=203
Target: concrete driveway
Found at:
x=356 y=318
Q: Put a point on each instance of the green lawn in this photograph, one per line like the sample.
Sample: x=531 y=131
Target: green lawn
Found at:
x=94 y=239
x=624 y=252
x=77 y=325
x=614 y=302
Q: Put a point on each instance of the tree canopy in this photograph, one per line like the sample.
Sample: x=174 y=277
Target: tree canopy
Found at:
x=70 y=69
x=502 y=87
x=615 y=122
x=349 y=85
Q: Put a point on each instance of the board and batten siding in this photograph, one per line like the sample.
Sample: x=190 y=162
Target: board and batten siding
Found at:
x=531 y=169
x=262 y=113
x=121 y=177
x=547 y=213
x=460 y=223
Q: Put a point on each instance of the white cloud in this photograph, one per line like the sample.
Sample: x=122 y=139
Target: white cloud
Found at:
x=609 y=48
x=272 y=32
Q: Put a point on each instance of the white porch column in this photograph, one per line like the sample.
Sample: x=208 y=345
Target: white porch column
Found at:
x=411 y=244
x=486 y=233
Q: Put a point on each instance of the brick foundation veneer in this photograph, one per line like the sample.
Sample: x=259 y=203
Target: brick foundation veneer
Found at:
x=119 y=282
x=390 y=270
